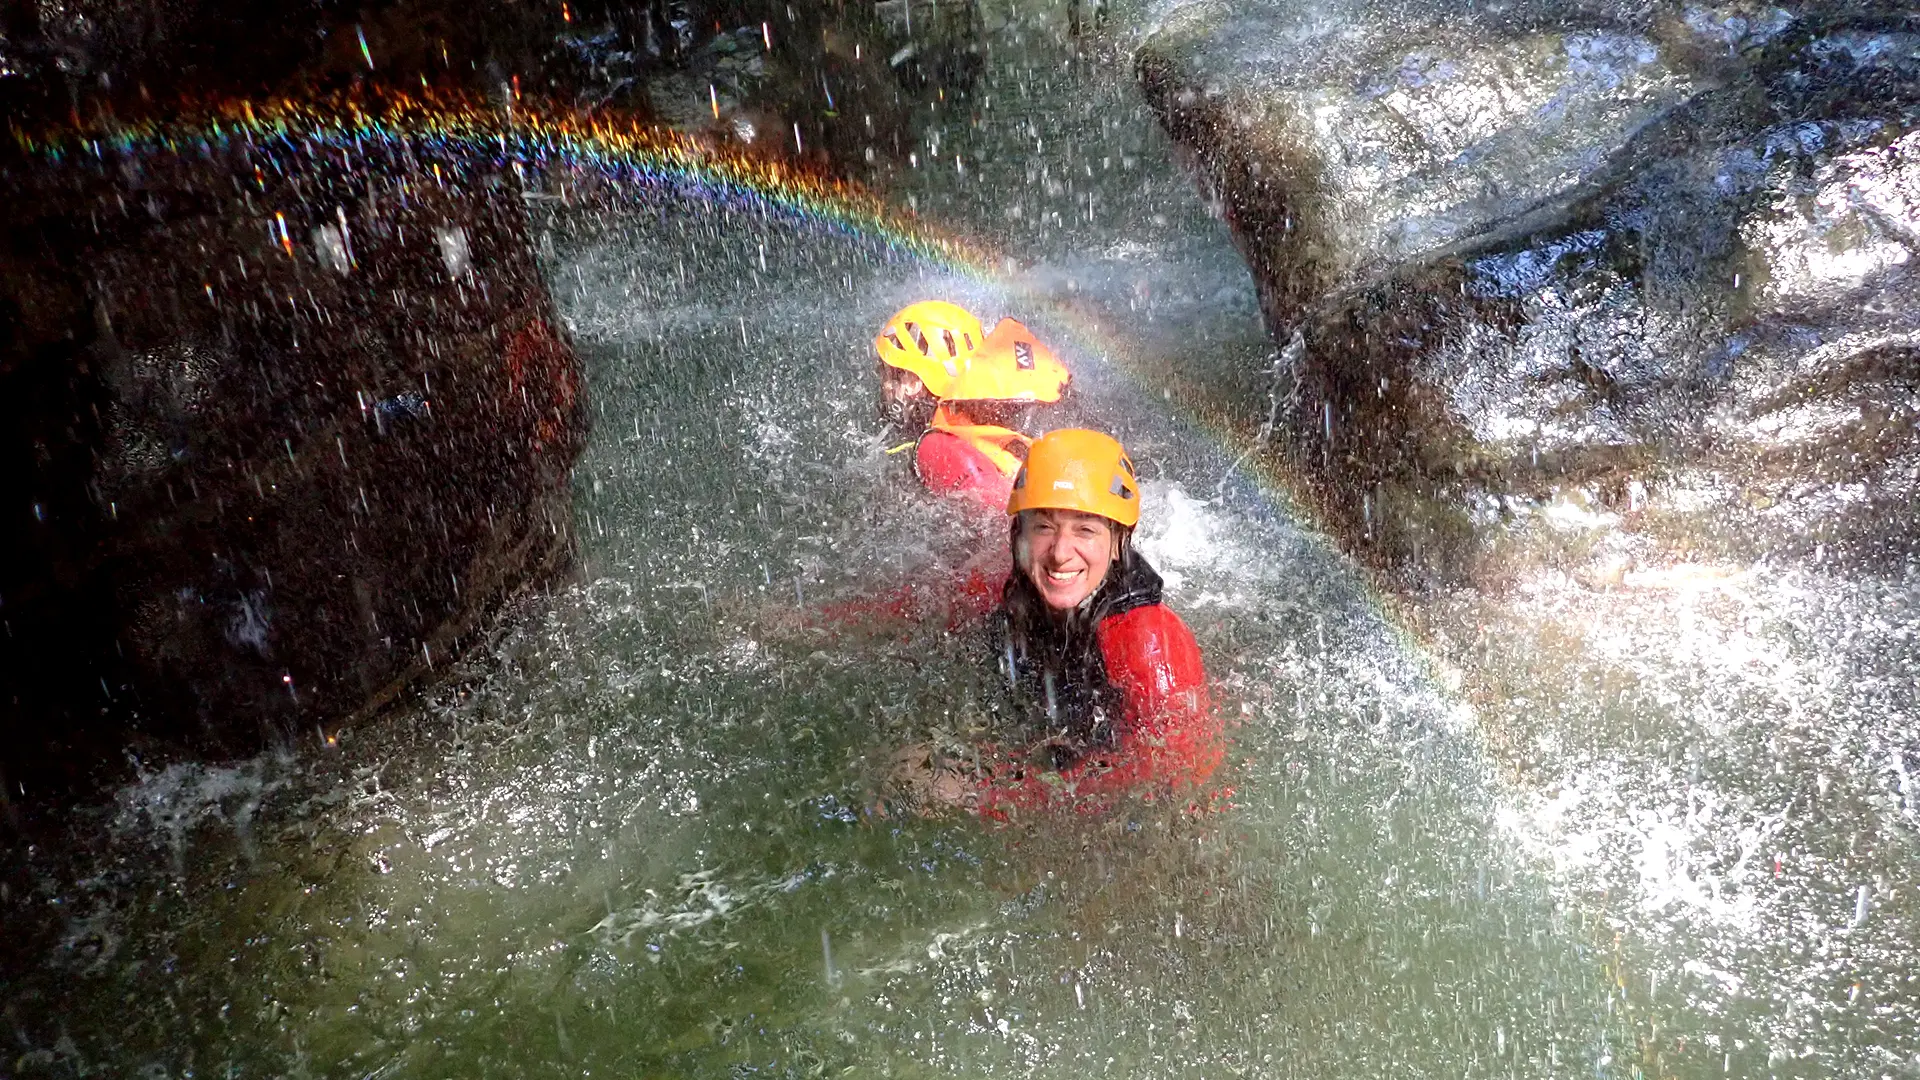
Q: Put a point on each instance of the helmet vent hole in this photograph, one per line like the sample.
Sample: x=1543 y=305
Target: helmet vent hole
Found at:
x=1120 y=488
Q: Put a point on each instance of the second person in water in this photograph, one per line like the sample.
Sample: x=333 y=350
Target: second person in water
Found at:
x=966 y=393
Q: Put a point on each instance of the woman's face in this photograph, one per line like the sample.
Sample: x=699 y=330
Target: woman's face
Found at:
x=1066 y=554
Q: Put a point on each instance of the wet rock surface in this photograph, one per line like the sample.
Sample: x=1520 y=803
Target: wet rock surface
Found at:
x=133 y=57
x=862 y=90
x=1346 y=139
x=1607 y=370
x=285 y=422
x=855 y=86
x=1574 y=286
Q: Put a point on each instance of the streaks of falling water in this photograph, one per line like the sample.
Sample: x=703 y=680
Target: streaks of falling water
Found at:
x=632 y=836
x=618 y=837
x=483 y=885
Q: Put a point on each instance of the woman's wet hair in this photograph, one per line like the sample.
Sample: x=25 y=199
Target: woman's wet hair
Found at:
x=1006 y=414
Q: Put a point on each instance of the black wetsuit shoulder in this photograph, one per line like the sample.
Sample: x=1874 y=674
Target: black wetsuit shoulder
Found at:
x=1054 y=671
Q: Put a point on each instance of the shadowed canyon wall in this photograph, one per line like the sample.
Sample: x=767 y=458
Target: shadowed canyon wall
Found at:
x=283 y=424
x=287 y=420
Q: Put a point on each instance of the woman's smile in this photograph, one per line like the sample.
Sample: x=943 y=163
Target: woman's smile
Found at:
x=1067 y=555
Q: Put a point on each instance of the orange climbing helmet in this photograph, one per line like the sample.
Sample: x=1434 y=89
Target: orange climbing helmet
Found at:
x=1012 y=365
x=1018 y=368
x=1076 y=469
x=932 y=339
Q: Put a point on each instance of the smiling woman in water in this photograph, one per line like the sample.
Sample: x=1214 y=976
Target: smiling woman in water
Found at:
x=1106 y=680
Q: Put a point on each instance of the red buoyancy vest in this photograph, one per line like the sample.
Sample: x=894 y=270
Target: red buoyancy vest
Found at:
x=1168 y=738
x=950 y=463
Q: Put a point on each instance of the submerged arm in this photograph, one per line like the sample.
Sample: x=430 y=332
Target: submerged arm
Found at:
x=1168 y=738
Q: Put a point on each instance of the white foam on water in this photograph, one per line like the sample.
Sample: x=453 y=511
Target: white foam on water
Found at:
x=164 y=807
x=1208 y=556
x=1721 y=862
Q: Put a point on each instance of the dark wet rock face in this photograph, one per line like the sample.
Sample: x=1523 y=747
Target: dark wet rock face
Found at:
x=1571 y=285
x=861 y=89
x=284 y=423
x=858 y=86
x=136 y=56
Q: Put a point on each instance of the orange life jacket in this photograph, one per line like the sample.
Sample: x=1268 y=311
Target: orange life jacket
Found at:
x=990 y=440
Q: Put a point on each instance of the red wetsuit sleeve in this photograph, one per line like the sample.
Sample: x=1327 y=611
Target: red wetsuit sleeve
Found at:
x=949 y=464
x=965 y=597
x=1169 y=738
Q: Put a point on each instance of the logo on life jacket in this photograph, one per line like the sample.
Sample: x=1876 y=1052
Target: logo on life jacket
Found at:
x=1023 y=355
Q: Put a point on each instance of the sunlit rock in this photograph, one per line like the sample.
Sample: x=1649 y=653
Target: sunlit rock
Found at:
x=1573 y=287
x=1342 y=140
x=284 y=423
